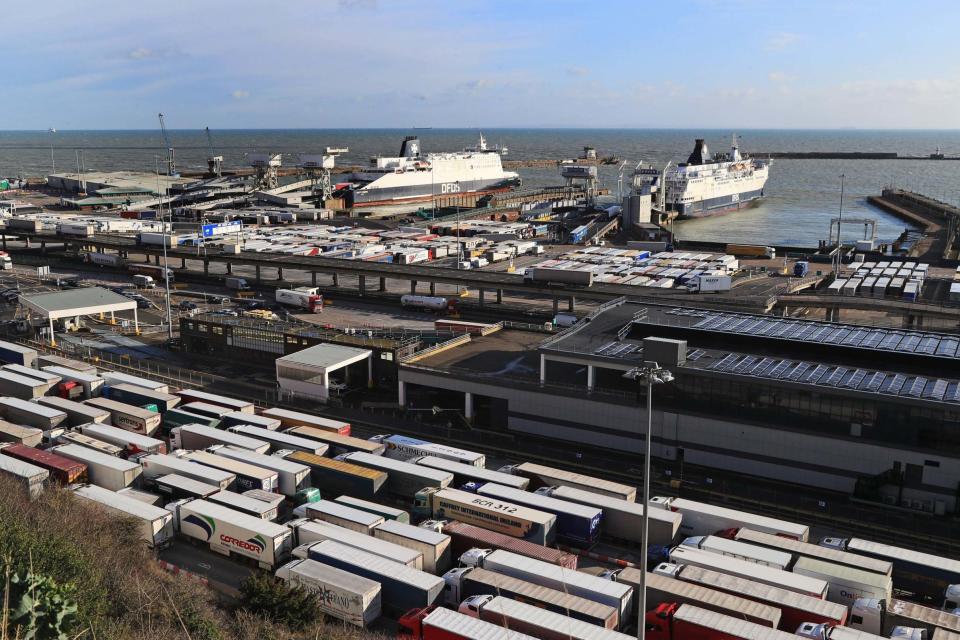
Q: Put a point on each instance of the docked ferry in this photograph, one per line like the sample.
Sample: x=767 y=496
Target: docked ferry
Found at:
x=413 y=176
x=705 y=185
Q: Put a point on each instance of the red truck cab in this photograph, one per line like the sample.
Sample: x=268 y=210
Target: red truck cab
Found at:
x=410 y=625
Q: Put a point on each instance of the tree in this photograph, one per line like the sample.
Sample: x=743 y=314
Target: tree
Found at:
x=292 y=606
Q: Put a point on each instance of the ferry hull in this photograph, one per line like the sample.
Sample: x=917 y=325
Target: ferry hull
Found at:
x=716 y=206
x=383 y=196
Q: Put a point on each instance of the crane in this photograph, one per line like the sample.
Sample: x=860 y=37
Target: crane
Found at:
x=214 y=162
x=171 y=165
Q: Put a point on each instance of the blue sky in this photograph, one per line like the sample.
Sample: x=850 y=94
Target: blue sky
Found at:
x=467 y=63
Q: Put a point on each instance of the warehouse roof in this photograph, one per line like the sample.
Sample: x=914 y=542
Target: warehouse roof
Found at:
x=326 y=356
x=77 y=302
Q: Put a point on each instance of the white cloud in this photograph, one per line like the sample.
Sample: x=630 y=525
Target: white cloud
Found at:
x=577 y=71
x=777 y=76
x=782 y=40
x=141 y=53
x=240 y=94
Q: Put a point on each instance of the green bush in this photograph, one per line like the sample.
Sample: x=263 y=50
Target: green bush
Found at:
x=294 y=607
x=37 y=607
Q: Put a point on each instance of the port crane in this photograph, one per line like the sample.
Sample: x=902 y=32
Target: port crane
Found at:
x=171 y=165
x=214 y=162
x=317 y=168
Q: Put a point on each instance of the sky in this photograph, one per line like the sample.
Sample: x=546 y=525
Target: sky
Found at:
x=114 y=64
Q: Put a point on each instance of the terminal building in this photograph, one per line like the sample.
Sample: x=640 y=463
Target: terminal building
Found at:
x=847 y=408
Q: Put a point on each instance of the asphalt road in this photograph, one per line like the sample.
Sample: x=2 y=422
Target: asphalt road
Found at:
x=224 y=574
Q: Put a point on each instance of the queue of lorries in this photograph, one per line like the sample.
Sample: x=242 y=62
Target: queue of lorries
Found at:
x=425 y=534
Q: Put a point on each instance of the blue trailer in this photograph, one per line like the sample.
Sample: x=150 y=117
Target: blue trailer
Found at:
x=575 y=522
x=140 y=396
x=11 y=353
x=402 y=587
x=801 y=269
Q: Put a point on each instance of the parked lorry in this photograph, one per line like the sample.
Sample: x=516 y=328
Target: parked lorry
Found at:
x=236 y=284
x=619 y=596
x=143 y=281
x=235 y=418
x=231 y=532
x=308 y=532
x=467 y=473
x=402 y=587
x=432 y=546
x=405 y=448
x=12 y=353
x=310 y=302
x=667 y=589
x=435 y=304
x=341 y=515
x=404 y=480
x=103 y=470
x=340 y=477
x=14 y=433
x=751 y=251
x=807 y=550
x=749 y=570
x=51 y=379
x=341 y=594
x=702 y=519
x=29 y=475
x=558 y=276
x=280 y=441
x=847 y=584
x=622 y=519
x=543 y=476
x=206 y=409
x=66 y=471
x=882 y=616
x=114 y=378
x=127 y=416
x=131 y=443
x=195 y=395
x=75 y=437
x=20 y=386
x=801 y=268
x=496 y=515
x=247 y=476
x=198 y=436
x=464 y=536
x=136 y=395
x=709 y=284
x=384 y=511
x=687 y=622
x=540 y=623
x=31 y=414
x=741 y=550
x=338 y=444
x=437 y=623
x=245 y=504
x=90 y=382
x=576 y=523
x=291 y=476
x=467 y=582
x=795 y=608
x=158 y=464
x=78 y=413
x=155 y=523
x=176 y=487
x=289 y=418
x=923 y=574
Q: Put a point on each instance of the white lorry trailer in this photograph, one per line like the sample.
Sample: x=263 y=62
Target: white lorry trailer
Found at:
x=341 y=594
x=702 y=519
x=156 y=524
x=103 y=470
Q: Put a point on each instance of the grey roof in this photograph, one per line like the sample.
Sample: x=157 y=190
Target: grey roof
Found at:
x=81 y=301
x=325 y=356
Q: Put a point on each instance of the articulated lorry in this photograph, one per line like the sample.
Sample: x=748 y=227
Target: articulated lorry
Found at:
x=540 y=623
x=341 y=594
x=156 y=524
x=558 y=276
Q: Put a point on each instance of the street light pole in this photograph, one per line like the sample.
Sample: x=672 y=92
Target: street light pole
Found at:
x=166 y=269
x=836 y=272
x=649 y=374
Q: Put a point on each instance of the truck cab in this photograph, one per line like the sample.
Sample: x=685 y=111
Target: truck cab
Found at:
x=951 y=599
x=144 y=282
x=814 y=631
x=451 y=585
x=433 y=525
x=866 y=614
x=410 y=624
x=472 y=605
x=423 y=501
x=474 y=557
x=909 y=633
x=659 y=622
x=6 y=262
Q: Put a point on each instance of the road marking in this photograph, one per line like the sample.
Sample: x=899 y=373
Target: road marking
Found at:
x=204 y=565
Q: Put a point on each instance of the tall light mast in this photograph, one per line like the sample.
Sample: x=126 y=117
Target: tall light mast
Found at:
x=171 y=165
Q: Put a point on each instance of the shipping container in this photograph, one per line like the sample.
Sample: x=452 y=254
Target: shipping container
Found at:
x=307 y=532
x=131 y=442
x=244 y=504
x=281 y=441
x=576 y=523
x=103 y=470
x=156 y=526
x=78 y=413
x=198 y=436
x=194 y=395
x=403 y=479
x=31 y=476
x=14 y=433
x=340 y=477
x=465 y=536
x=91 y=383
x=176 y=487
x=139 y=396
x=402 y=587
x=702 y=519
x=386 y=512
x=750 y=571
x=231 y=532
x=343 y=516
x=542 y=476
x=433 y=546
x=128 y=417
x=291 y=476
x=404 y=448
x=536 y=621
x=622 y=519
x=12 y=353
x=338 y=444
x=248 y=476
x=114 y=378
x=290 y=418
x=31 y=414
x=156 y=465
x=63 y=470
x=502 y=517
x=340 y=594
x=549 y=575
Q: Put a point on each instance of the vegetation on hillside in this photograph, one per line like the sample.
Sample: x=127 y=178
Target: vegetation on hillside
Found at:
x=68 y=569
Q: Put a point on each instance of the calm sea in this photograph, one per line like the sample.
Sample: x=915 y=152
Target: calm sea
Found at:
x=802 y=195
